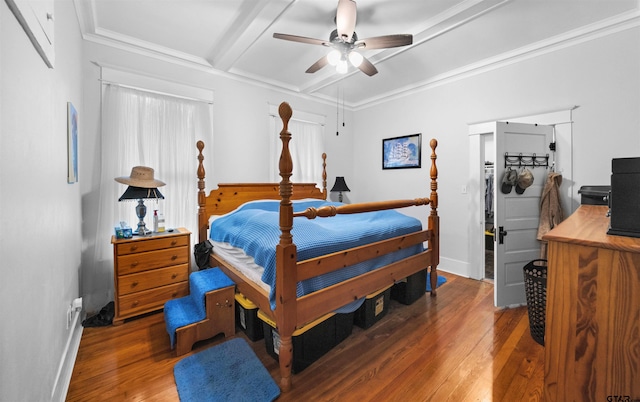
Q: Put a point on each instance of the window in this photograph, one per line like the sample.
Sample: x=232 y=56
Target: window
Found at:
x=141 y=128
x=306 y=146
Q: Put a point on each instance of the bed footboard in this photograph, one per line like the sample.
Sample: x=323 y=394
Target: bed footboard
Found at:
x=291 y=311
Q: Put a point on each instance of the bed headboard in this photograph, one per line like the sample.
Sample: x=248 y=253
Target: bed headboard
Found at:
x=229 y=196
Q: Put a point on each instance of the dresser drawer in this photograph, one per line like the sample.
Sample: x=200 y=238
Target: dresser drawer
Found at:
x=152 y=279
x=150 y=300
x=132 y=263
x=144 y=244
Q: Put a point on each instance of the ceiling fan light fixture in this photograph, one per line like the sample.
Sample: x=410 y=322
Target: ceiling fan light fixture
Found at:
x=333 y=57
x=343 y=41
x=342 y=67
x=355 y=58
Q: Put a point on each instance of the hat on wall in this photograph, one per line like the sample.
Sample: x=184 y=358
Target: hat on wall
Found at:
x=525 y=179
x=141 y=176
x=509 y=180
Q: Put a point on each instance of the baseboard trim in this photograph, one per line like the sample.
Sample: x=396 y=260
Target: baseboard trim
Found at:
x=456 y=267
x=68 y=360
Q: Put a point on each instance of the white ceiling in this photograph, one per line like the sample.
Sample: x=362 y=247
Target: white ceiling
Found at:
x=451 y=38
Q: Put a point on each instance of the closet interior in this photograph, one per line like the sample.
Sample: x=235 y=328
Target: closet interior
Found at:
x=489 y=228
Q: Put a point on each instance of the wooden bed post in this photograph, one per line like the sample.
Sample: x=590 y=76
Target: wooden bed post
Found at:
x=286 y=257
x=434 y=219
x=324 y=175
x=202 y=218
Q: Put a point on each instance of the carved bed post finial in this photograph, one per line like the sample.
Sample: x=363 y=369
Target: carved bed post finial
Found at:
x=202 y=219
x=286 y=167
x=324 y=175
x=434 y=177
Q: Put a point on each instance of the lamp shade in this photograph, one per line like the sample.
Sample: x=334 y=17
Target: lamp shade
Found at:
x=137 y=193
x=340 y=185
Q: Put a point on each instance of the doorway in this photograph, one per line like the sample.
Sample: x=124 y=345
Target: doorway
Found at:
x=489 y=157
x=480 y=137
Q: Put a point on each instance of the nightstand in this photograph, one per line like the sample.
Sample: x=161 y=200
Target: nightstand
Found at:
x=148 y=271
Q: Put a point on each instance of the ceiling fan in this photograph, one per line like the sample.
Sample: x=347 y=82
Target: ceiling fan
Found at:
x=345 y=42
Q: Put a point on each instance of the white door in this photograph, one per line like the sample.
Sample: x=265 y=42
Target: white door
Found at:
x=517 y=215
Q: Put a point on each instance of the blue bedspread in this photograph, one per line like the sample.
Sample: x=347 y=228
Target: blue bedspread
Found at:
x=254 y=227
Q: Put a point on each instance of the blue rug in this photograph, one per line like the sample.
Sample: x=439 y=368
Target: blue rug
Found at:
x=441 y=280
x=230 y=371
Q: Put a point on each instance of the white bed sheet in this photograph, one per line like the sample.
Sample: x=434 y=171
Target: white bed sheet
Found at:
x=241 y=261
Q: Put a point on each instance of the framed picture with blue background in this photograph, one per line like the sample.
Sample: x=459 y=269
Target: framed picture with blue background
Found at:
x=72 y=142
x=402 y=152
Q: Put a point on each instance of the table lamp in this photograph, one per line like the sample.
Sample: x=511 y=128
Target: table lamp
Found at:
x=340 y=186
x=142 y=186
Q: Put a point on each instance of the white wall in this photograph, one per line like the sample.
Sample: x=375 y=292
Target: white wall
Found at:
x=602 y=76
x=41 y=237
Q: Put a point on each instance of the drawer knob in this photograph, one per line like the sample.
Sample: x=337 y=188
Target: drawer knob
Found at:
x=135 y=303
x=174 y=257
x=134 y=264
x=174 y=276
x=134 y=284
x=134 y=248
x=174 y=294
x=174 y=242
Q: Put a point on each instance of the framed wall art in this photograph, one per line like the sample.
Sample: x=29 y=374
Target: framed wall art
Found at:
x=402 y=152
x=72 y=143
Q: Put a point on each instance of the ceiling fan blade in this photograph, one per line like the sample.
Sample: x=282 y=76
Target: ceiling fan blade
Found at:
x=317 y=65
x=301 y=39
x=383 y=42
x=367 y=68
x=346 y=19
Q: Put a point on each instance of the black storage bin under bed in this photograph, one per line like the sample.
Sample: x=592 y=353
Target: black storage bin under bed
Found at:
x=411 y=289
x=535 y=286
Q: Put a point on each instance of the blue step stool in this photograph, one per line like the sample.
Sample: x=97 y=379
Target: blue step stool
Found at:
x=208 y=310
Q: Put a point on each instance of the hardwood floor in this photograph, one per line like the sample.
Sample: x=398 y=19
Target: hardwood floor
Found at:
x=454 y=347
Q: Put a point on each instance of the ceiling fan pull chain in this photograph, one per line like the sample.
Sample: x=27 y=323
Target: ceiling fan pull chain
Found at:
x=342 y=107
x=337 y=111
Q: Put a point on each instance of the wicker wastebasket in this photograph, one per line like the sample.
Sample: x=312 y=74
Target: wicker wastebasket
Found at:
x=535 y=286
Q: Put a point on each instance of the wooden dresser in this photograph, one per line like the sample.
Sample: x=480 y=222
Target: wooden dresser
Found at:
x=148 y=271
x=592 y=332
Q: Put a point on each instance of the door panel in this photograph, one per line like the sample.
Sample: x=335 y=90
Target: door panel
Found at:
x=517 y=213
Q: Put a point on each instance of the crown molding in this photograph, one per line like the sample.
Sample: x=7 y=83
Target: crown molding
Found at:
x=85 y=10
x=621 y=22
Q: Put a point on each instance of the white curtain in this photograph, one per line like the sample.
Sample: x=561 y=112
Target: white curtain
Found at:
x=142 y=128
x=306 y=146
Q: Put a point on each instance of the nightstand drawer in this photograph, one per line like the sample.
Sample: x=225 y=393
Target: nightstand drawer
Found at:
x=152 y=279
x=129 y=264
x=142 y=244
x=150 y=300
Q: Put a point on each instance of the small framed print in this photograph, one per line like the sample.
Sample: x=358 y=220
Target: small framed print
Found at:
x=402 y=152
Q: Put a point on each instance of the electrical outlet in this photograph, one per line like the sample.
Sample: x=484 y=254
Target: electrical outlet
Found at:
x=69 y=316
x=77 y=304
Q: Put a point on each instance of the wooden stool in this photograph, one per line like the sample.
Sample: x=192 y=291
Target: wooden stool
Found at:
x=185 y=317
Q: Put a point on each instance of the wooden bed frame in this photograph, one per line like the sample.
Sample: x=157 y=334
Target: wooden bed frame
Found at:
x=291 y=311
